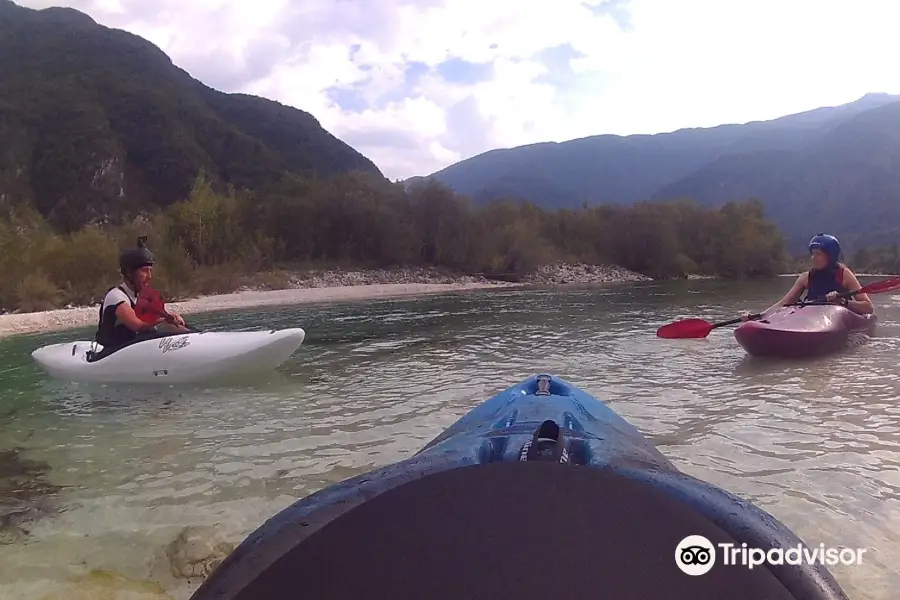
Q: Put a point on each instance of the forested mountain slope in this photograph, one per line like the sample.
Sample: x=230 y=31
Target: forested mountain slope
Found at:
x=98 y=123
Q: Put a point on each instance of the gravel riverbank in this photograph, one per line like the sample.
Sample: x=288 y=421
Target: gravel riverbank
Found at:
x=328 y=286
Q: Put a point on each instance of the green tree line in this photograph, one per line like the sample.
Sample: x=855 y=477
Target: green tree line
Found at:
x=877 y=260
x=215 y=238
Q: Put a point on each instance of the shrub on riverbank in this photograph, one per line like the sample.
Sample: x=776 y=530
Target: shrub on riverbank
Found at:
x=883 y=260
x=207 y=242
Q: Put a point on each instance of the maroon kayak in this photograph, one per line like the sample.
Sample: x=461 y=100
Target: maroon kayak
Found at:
x=804 y=331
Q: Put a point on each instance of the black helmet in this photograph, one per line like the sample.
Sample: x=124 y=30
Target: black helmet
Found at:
x=135 y=258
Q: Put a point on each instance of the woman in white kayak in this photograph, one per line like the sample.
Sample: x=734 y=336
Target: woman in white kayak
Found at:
x=118 y=324
x=826 y=280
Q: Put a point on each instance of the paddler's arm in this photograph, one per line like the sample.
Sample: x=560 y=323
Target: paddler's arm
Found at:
x=172 y=328
x=176 y=324
x=793 y=294
x=126 y=315
x=860 y=304
x=177 y=320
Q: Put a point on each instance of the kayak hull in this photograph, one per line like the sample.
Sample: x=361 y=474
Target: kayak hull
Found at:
x=471 y=511
x=182 y=358
x=805 y=332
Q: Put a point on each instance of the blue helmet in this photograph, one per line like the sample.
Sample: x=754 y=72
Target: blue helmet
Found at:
x=827 y=244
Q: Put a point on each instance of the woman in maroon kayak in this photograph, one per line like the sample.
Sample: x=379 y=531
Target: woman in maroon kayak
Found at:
x=826 y=280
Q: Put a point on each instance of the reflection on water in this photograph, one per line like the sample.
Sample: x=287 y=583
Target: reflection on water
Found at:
x=817 y=443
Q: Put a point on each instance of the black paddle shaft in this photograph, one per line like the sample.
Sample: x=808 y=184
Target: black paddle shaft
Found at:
x=752 y=317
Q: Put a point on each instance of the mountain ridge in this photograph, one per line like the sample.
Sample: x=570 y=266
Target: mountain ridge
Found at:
x=692 y=162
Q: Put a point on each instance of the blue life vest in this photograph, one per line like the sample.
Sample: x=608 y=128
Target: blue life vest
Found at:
x=824 y=281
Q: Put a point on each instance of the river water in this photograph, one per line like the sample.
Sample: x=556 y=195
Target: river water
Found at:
x=815 y=443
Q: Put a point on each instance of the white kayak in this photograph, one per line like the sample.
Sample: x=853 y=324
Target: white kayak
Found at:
x=173 y=359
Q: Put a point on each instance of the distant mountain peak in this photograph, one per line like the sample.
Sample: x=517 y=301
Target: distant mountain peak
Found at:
x=880 y=95
x=61 y=14
x=875 y=99
x=67 y=15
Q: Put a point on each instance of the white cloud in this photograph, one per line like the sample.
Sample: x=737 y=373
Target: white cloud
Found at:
x=674 y=64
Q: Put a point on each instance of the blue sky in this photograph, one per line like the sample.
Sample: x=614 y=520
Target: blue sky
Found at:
x=417 y=85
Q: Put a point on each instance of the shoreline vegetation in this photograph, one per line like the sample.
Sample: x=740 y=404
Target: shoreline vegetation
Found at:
x=220 y=248
x=872 y=261
x=219 y=240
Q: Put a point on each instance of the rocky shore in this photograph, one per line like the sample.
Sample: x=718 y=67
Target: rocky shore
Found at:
x=561 y=274
x=557 y=274
x=402 y=276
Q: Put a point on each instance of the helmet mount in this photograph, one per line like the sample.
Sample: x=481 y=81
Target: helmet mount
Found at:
x=135 y=258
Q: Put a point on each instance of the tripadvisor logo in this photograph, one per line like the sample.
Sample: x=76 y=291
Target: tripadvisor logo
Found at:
x=696 y=555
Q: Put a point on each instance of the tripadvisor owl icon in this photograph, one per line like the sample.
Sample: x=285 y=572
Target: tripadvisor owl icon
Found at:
x=695 y=555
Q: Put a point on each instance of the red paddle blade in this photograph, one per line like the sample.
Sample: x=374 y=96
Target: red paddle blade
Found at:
x=686 y=329
x=886 y=285
x=150 y=306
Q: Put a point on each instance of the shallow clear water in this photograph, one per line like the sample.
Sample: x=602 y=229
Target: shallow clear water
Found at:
x=815 y=443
